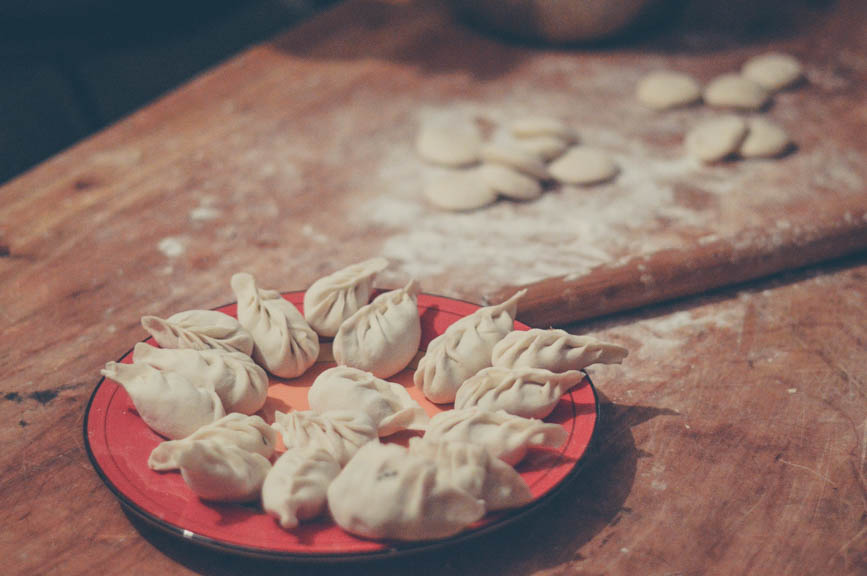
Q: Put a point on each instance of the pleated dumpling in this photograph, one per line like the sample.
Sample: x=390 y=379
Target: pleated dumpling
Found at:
x=167 y=402
x=464 y=349
x=554 y=350
x=239 y=382
x=382 y=337
x=284 y=344
x=340 y=432
x=199 y=330
x=472 y=469
x=387 y=492
x=503 y=435
x=296 y=487
x=249 y=433
x=336 y=297
x=223 y=472
x=388 y=404
x=527 y=392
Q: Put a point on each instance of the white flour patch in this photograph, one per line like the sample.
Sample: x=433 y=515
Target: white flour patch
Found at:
x=204 y=213
x=171 y=247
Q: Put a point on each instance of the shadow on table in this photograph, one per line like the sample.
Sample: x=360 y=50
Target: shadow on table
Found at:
x=591 y=501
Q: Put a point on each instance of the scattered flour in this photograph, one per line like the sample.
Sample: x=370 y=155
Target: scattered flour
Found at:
x=172 y=247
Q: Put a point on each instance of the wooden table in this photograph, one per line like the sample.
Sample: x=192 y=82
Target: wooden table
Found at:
x=732 y=439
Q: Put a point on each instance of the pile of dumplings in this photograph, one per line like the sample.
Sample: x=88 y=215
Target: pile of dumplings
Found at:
x=202 y=389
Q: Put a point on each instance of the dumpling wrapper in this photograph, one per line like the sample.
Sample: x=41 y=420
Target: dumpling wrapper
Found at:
x=472 y=469
x=334 y=298
x=527 y=392
x=284 y=344
x=387 y=492
x=554 y=350
x=199 y=330
x=240 y=383
x=167 y=402
x=295 y=489
x=340 y=432
x=383 y=336
x=464 y=349
x=388 y=404
x=223 y=472
x=503 y=435
x=249 y=433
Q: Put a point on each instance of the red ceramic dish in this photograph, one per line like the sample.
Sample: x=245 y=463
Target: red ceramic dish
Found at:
x=119 y=443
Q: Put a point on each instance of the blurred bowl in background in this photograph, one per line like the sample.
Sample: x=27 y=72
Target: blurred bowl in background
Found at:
x=553 y=21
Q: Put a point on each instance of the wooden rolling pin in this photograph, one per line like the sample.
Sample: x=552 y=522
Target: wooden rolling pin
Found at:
x=825 y=233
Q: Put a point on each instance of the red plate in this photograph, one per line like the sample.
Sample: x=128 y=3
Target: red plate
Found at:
x=119 y=443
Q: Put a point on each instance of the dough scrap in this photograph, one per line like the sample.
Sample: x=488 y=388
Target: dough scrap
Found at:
x=514 y=157
x=458 y=190
x=536 y=126
x=765 y=139
x=666 y=89
x=774 y=71
x=510 y=183
x=584 y=165
x=735 y=91
x=452 y=144
x=716 y=139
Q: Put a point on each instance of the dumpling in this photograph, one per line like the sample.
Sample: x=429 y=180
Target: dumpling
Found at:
x=239 y=382
x=388 y=404
x=387 y=492
x=554 y=350
x=336 y=297
x=527 y=392
x=503 y=435
x=223 y=472
x=284 y=344
x=295 y=488
x=199 y=330
x=382 y=337
x=249 y=433
x=464 y=349
x=167 y=402
x=473 y=470
x=340 y=432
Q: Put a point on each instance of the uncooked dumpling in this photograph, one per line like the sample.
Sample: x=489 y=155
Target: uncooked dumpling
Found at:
x=223 y=472
x=735 y=91
x=295 y=489
x=510 y=183
x=199 y=330
x=554 y=350
x=387 y=492
x=340 y=432
x=774 y=71
x=472 y=469
x=239 y=382
x=167 y=402
x=458 y=190
x=249 y=433
x=543 y=126
x=716 y=138
x=449 y=142
x=503 y=435
x=464 y=349
x=527 y=392
x=584 y=165
x=516 y=158
x=336 y=297
x=285 y=345
x=765 y=139
x=382 y=337
x=665 y=89
x=388 y=404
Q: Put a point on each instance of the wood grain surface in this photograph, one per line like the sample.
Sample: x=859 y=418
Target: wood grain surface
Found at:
x=733 y=438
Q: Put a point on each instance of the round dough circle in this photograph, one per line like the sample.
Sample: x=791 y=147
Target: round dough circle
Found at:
x=510 y=182
x=717 y=138
x=532 y=126
x=735 y=91
x=765 y=139
x=458 y=190
x=584 y=165
x=666 y=89
x=449 y=144
x=545 y=148
x=516 y=158
x=773 y=71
